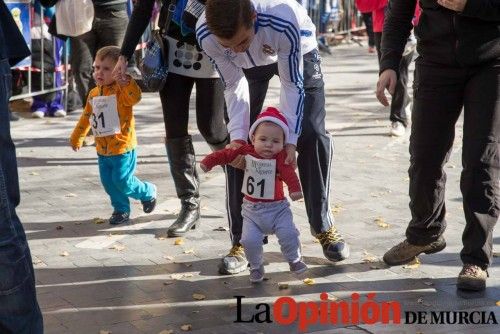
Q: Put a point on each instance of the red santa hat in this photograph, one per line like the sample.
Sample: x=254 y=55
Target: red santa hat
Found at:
x=273 y=115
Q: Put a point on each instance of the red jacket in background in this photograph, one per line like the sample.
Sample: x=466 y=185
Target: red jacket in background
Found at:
x=379 y=15
x=283 y=172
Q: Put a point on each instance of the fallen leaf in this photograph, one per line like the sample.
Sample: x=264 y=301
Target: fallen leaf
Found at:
x=189 y=251
x=70 y=195
x=308 y=281
x=179 y=276
x=34 y=173
x=221 y=229
x=198 y=296
x=167 y=331
x=195 y=311
x=369 y=258
x=178 y=242
x=168 y=257
x=188 y=265
x=282 y=286
x=412 y=265
x=59 y=227
x=105 y=332
x=37 y=261
x=98 y=221
x=118 y=247
x=64 y=253
x=160 y=237
x=428 y=283
x=381 y=223
x=498 y=303
x=337 y=208
x=168 y=283
x=186 y=327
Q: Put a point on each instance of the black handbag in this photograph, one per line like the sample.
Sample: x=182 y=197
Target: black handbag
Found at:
x=154 y=65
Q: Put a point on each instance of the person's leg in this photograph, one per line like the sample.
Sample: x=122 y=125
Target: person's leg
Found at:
x=368 y=20
x=126 y=182
x=481 y=171
x=315 y=153
x=19 y=310
x=119 y=201
x=251 y=239
x=82 y=57
x=210 y=112
x=180 y=152
x=438 y=100
x=286 y=231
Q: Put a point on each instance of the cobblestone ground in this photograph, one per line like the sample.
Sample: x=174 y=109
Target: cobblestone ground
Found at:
x=93 y=277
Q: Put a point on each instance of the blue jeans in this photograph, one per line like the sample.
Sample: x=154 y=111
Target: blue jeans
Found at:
x=19 y=310
x=119 y=181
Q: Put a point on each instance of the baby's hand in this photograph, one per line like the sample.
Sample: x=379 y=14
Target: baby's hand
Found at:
x=204 y=168
x=296 y=196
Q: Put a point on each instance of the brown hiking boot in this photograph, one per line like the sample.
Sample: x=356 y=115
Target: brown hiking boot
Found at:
x=405 y=252
x=472 y=278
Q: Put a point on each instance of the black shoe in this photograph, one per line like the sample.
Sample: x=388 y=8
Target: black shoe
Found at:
x=118 y=218
x=334 y=247
x=149 y=206
x=188 y=220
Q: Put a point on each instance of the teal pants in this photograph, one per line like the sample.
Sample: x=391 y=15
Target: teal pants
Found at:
x=119 y=181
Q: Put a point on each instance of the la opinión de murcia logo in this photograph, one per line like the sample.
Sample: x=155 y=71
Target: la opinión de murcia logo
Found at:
x=287 y=311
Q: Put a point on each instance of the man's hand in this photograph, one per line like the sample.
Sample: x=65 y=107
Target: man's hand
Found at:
x=239 y=161
x=291 y=159
x=455 y=5
x=387 y=80
x=296 y=196
x=120 y=71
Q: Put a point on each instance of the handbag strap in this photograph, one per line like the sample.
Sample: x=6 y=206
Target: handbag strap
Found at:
x=170 y=13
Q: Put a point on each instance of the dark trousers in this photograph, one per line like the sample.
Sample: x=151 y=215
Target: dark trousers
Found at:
x=400 y=99
x=314 y=147
x=108 y=28
x=440 y=93
x=175 y=97
x=368 y=20
x=19 y=310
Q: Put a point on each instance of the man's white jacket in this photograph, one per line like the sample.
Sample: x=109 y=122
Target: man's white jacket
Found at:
x=283 y=34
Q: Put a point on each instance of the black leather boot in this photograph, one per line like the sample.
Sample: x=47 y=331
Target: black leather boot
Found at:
x=182 y=160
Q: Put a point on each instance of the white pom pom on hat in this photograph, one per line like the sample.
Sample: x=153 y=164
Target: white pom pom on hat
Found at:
x=273 y=115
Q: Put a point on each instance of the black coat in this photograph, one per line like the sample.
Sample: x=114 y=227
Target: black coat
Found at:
x=444 y=36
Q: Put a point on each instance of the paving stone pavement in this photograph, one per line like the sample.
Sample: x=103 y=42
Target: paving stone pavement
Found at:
x=93 y=277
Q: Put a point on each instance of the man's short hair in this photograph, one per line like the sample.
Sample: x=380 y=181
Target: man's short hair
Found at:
x=225 y=17
x=112 y=52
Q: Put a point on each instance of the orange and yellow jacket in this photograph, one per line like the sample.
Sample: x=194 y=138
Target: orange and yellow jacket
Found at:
x=126 y=97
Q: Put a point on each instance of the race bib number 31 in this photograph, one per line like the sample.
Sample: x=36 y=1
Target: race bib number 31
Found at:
x=105 y=120
x=260 y=175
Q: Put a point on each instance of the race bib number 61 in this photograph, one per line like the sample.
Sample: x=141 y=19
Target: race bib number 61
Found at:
x=260 y=175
